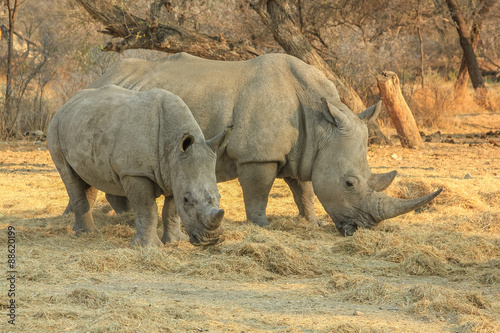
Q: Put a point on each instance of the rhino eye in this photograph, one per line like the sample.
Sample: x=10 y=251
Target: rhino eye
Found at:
x=187 y=198
x=351 y=182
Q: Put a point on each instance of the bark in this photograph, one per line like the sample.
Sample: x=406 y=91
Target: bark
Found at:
x=402 y=118
x=460 y=88
x=421 y=43
x=278 y=17
x=12 y=7
x=481 y=93
x=146 y=33
x=463 y=74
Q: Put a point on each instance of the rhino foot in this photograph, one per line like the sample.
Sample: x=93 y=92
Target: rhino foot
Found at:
x=261 y=221
x=146 y=241
x=79 y=232
x=174 y=237
x=315 y=221
x=84 y=223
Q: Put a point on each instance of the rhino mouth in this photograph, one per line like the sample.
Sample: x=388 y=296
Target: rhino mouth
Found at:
x=347 y=226
x=346 y=229
x=207 y=237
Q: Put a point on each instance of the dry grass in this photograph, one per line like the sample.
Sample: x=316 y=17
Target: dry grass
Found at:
x=436 y=108
x=433 y=270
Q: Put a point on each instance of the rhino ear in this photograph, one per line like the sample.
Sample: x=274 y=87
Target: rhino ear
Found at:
x=186 y=142
x=219 y=141
x=334 y=115
x=371 y=113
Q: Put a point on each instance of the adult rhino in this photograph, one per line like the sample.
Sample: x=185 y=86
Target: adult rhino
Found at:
x=138 y=145
x=288 y=122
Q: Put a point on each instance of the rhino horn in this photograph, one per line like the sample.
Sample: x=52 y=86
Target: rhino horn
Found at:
x=389 y=207
x=371 y=113
x=216 y=219
x=380 y=181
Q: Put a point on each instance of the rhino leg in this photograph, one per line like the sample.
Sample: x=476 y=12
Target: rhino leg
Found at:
x=120 y=204
x=81 y=200
x=171 y=222
x=68 y=209
x=141 y=194
x=81 y=195
x=256 y=180
x=303 y=195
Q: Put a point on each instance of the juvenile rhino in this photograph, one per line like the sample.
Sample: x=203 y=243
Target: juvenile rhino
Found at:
x=288 y=122
x=139 y=145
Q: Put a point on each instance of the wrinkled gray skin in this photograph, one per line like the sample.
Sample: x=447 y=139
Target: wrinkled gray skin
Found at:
x=138 y=145
x=281 y=128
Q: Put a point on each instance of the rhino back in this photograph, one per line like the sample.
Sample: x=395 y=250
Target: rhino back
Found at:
x=105 y=136
x=262 y=98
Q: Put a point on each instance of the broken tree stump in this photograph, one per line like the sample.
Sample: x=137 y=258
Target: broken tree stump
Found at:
x=402 y=118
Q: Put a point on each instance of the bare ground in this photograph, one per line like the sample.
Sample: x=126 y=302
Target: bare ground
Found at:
x=434 y=270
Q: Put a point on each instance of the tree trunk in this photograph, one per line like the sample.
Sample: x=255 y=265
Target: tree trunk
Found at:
x=463 y=73
x=278 y=17
x=481 y=93
x=12 y=7
x=421 y=43
x=460 y=88
x=402 y=118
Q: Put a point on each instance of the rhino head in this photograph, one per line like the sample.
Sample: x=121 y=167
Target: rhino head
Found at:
x=341 y=176
x=194 y=186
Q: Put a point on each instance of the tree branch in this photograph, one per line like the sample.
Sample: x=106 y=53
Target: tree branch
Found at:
x=140 y=33
x=5 y=30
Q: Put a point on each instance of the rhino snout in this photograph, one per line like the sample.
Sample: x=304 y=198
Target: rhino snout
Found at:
x=346 y=229
x=347 y=226
x=209 y=231
x=199 y=238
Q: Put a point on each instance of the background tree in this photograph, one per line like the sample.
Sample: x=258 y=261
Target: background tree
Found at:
x=12 y=9
x=466 y=42
x=31 y=63
x=481 y=10
x=357 y=39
